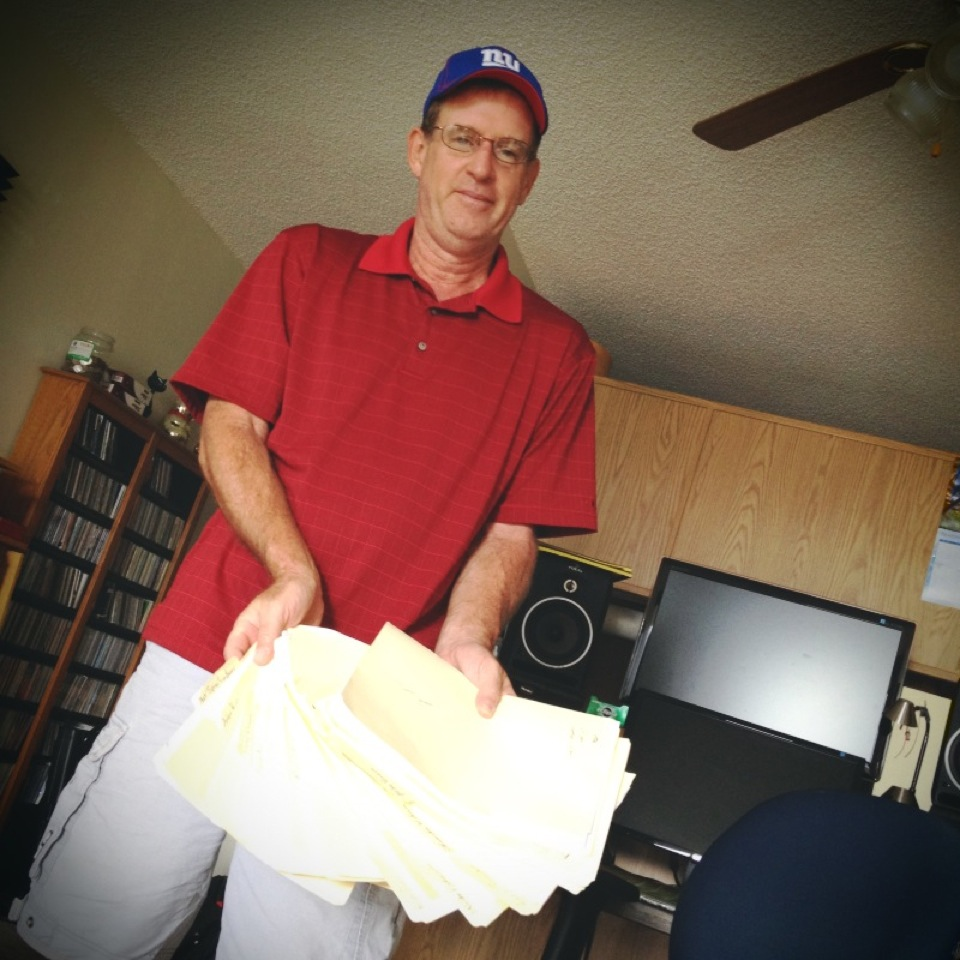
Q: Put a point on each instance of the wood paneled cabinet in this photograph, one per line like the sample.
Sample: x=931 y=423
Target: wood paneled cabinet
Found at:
x=108 y=504
x=829 y=512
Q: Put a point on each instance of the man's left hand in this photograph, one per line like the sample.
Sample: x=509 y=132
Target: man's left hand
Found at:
x=478 y=664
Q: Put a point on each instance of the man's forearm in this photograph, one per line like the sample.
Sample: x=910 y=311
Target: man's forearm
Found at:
x=237 y=465
x=492 y=584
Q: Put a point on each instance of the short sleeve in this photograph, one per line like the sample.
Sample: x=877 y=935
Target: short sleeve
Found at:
x=554 y=486
x=243 y=355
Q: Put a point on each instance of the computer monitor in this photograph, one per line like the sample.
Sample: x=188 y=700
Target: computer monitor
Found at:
x=739 y=690
x=806 y=668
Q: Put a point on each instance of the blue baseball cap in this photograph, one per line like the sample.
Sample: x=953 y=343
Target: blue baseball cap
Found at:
x=494 y=63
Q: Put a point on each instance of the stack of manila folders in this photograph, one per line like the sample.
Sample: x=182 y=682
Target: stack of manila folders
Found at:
x=342 y=762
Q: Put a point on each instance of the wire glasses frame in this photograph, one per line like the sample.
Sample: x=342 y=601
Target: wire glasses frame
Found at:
x=467 y=140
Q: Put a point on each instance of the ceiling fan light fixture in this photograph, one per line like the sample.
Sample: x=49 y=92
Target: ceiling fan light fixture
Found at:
x=904 y=57
x=916 y=104
x=943 y=64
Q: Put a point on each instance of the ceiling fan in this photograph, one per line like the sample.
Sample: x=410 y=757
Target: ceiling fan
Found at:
x=819 y=93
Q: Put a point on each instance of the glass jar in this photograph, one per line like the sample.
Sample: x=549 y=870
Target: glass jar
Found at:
x=178 y=423
x=88 y=354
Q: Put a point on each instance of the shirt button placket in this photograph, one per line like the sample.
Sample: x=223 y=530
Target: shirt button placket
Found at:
x=432 y=313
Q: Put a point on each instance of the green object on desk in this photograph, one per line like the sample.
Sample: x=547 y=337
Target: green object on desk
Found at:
x=600 y=709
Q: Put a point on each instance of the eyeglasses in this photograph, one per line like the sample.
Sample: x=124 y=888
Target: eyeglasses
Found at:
x=467 y=140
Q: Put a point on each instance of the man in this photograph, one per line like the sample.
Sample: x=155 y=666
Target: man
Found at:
x=387 y=424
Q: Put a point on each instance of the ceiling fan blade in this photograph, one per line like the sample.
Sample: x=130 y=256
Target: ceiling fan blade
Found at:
x=811 y=96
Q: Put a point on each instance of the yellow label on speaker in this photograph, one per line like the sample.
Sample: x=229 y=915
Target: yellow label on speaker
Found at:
x=620 y=573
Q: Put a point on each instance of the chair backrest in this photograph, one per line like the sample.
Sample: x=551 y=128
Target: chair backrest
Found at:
x=824 y=875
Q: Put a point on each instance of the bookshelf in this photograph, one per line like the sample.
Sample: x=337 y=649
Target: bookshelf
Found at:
x=107 y=505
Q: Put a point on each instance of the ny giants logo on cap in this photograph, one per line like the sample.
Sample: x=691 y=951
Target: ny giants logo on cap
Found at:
x=495 y=57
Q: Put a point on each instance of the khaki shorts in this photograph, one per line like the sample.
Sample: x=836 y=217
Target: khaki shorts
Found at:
x=125 y=862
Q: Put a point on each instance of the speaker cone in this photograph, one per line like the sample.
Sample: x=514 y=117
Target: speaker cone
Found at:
x=557 y=632
x=951 y=759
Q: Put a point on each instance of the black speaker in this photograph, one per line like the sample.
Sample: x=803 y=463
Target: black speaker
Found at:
x=551 y=643
x=945 y=791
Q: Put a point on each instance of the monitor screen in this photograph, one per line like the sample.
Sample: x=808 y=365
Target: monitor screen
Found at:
x=809 y=669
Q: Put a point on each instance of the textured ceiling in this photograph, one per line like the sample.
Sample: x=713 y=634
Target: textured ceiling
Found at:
x=814 y=275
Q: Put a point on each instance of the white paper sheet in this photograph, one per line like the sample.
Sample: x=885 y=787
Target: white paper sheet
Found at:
x=339 y=762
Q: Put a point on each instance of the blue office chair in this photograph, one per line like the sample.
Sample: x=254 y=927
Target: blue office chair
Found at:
x=823 y=875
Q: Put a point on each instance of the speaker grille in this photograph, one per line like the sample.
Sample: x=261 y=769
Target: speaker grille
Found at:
x=557 y=632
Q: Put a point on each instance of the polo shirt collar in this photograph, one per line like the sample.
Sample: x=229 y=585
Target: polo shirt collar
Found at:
x=501 y=295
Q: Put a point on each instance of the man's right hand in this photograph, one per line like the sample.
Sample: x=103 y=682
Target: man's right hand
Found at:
x=287 y=602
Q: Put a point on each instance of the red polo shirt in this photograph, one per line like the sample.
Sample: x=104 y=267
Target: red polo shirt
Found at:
x=400 y=427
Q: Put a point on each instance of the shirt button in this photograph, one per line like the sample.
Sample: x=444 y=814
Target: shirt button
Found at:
x=422 y=345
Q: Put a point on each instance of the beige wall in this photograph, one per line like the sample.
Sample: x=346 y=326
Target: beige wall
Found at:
x=91 y=234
